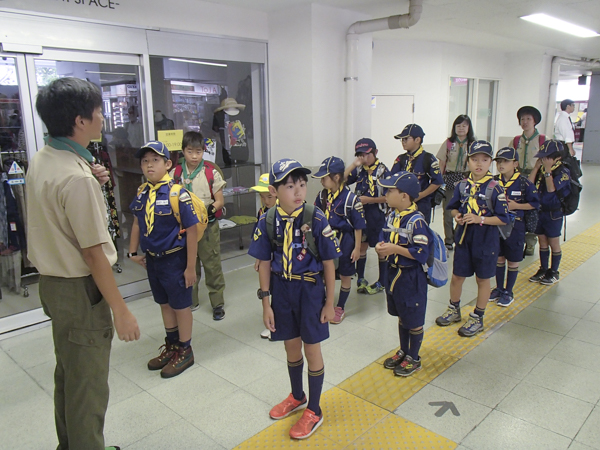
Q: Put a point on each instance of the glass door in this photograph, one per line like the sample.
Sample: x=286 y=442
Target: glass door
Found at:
x=487 y=97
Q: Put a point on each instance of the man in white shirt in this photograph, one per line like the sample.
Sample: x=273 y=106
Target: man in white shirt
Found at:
x=563 y=127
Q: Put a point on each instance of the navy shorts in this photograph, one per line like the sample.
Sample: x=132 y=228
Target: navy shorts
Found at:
x=346 y=267
x=512 y=248
x=297 y=307
x=476 y=255
x=406 y=291
x=165 y=275
x=375 y=219
x=549 y=223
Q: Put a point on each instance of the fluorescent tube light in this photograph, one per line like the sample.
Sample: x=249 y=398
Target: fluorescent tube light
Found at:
x=205 y=63
x=559 y=25
x=110 y=73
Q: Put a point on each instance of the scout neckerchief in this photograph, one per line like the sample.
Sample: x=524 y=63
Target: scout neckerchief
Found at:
x=509 y=183
x=370 y=180
x=288 y=238
x=412 y=157
x=538 y=181
x=395 y=236
x=331 y=196
x=472 y=206
x=527 y=140
x=63 y=143
x=459 y=158
x=187 y=179
x=149 y=216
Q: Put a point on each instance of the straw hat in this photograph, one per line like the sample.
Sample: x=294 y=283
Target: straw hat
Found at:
x=230 y=106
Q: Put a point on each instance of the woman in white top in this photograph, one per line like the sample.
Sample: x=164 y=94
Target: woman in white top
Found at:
x=453 y=164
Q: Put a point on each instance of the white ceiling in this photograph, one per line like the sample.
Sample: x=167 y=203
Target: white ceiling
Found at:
x=481 y=23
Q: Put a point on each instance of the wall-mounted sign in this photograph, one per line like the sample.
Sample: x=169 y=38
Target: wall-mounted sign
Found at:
x=171 y=138
x=105 y=4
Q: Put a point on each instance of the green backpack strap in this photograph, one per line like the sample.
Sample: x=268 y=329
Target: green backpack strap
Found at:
x=307 y=219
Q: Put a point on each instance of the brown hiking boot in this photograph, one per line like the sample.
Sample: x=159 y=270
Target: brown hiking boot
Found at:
x=166 y=353
x=181 y=360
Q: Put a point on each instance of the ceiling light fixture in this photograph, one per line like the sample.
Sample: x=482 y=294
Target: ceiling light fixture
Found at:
x=560 y=25
x=110 y=73
x=205 y=63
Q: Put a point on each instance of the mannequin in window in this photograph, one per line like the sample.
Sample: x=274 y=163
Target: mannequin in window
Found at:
x=134 y=128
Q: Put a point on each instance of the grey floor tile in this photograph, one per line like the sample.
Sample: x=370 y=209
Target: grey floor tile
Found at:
x=434 y=310
x=366 y=309
x=590 y=431
x=577 y=353
x=567 y=379
x=213 y=345
x=341 y=364
x=192 y=389
x=348 y=326
x=135 y=418
x=124 y=352
x=542 y=319
x=179 y=434
x=586 y=331
x=43 y=374
x=502 y=431
x=28 y=351
x=368 y=342
x=476 y=383
x=418 y=410
x=578 y=446
x=240 y=413
x=7 y=365
x=563 y=305
x=594 y=314
x=586 y=292
x=548 y=409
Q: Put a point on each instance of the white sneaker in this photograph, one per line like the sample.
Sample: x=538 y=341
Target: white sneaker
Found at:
x=266 y=334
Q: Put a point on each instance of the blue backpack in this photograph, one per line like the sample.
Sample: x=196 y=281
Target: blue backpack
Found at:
x=436 y=266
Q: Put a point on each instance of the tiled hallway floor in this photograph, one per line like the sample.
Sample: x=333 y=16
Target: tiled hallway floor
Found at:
x=533 y=383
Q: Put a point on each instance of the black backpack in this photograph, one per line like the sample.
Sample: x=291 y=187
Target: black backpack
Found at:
x=438 y=196
x=570 y=203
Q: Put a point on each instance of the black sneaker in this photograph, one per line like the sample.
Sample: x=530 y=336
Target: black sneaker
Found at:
x=218 y=313
x=550 y=278
x=395 y=360
x=538 y=275
x=408 y=367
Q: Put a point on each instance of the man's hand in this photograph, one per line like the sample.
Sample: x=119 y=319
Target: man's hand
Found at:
x=190 y=276
x=126 y=326
x=327 y=313
x=101 y=173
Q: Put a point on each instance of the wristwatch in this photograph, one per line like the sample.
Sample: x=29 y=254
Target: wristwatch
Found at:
x=129 y=255
x=262 y=294
x=548 y=174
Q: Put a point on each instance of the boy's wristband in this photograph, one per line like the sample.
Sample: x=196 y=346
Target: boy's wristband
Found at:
x=482 y=221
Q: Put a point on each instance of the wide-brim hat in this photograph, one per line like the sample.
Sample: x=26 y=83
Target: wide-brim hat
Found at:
x=532 y=111
x=262 y=185
x=230 y=103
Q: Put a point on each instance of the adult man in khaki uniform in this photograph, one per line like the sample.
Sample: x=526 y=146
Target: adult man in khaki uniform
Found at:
x=70 y=245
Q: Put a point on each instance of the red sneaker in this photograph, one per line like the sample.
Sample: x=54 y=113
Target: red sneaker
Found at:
x=286 y=407
x=307 y=425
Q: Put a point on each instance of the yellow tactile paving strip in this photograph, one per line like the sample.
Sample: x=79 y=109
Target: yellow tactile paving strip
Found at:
x=359 y=412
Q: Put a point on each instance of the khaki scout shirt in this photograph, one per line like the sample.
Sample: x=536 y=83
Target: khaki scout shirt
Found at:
x=66 y=213
x=532 y=148
x=200 y=185
x=452 y=163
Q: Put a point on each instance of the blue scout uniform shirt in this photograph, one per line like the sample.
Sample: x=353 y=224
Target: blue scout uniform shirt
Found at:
x=302 y=260
x=422 y=240
x=165 y=234
x=562 y=182
x=434 y=176
x=484 y=233
x=520 y=190
x=337 y=214
x=360 y=176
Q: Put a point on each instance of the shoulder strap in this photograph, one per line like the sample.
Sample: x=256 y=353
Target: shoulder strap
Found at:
x=449 y=145
x=542 y=139
x=323 y=198
x=488 y=194
x=516 y=142
x=209 y=172
x=174 y=200
x=307 y=219
x=271 y=226
x=177 y=174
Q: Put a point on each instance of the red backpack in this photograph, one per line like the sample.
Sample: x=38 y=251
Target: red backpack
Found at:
x=210 y=177
x=517 y=139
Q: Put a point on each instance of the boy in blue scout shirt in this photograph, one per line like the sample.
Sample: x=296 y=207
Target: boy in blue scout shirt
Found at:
x=169 y=255
x=477 y=237
x=365 y=171
x=423 y=164
x=296 y=305
x=345 y=214
x=521 y=195
x=406 y=280
x=553 y=180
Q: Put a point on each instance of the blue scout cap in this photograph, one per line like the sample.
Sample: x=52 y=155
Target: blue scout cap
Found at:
x=413 y=130
x=156 y=146
x=549 y=147
x=332 y=164
x=364 y=145
x=480 y=147
x=507 y=153
x=403 y=181
x=282 y=168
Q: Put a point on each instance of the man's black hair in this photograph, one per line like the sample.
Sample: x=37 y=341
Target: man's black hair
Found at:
x=192 y=139
x=295 y=175
x=59 y=104
x=566 y=102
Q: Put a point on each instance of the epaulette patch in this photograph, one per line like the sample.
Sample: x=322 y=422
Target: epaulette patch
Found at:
x=502 y=197
x=185 y=197
x=358 y=206
x=257 y=234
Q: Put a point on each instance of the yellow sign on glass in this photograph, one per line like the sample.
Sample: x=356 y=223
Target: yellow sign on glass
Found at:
x=171 y=138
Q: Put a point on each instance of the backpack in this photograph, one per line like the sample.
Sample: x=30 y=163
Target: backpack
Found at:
x=570 y=203
x=307 y=219
x=504 y=230
x=436 y=266
x=210 y=177
x=436 y=197
x=530 y=216
x=517 y=139
x=198 y=205
x=348 y=206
